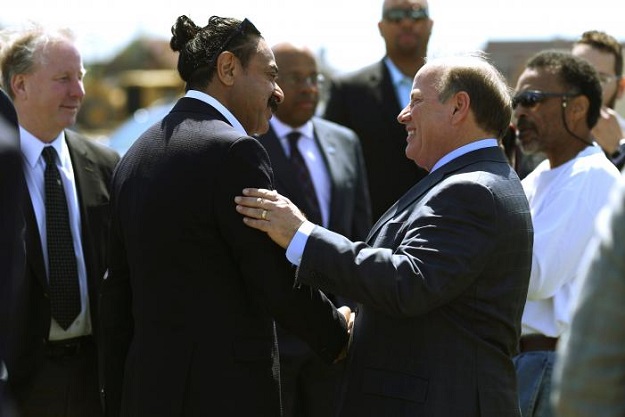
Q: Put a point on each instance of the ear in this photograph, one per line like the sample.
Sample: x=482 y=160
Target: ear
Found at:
x=577 y=107
x=461 y=106
x=227 y=67
x=620 y=88
x=18 y=85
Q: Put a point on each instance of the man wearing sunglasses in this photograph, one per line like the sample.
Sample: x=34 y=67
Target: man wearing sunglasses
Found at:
x=369 y=100
x=605 y=54
x=557 y=103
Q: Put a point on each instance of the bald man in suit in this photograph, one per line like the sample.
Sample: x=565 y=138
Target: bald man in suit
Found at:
x=339 y=200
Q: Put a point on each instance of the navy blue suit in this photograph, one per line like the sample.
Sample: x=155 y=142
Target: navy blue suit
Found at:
x=441 y=285
x=189 y=305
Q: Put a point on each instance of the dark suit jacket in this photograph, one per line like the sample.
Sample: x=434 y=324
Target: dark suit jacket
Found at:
x=350 y=207
x=93 y=167
x=365 y=102
x=441 y=284
x=198 y=286
x=12 y=188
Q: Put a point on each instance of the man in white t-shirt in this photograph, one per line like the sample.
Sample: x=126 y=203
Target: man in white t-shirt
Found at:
x=557 y=103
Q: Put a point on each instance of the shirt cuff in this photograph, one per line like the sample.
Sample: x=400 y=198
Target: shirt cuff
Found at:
x=295 y=250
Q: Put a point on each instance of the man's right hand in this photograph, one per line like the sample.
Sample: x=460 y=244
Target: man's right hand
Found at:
x=607 y=132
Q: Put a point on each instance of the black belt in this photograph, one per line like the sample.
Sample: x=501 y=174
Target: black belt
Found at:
x=534 y=342
x=68 y=347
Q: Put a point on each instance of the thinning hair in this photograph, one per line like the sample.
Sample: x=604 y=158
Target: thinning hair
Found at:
x=24 y=50
x=490 y=95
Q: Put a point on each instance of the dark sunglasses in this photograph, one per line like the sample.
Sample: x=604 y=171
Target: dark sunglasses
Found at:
x=531 y=98
x=396 y=15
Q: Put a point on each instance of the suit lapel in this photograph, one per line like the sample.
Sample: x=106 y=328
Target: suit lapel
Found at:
x=284 y=176
x=88 y=187
x=429 y=181
x=34 y=253
x=328 y=147
x=410 y=196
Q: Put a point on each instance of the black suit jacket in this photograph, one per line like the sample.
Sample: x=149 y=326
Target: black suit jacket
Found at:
x=93 y=167
x=365 y=102
x=441 y=284
x=12 y=188
x=187 y=307
x=350 y=207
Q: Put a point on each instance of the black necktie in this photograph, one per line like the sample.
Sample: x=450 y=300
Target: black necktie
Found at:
x=63 y=272
x=313 y=213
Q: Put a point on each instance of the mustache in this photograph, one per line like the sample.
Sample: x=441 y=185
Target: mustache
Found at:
x=523 y=123
x=273 y=103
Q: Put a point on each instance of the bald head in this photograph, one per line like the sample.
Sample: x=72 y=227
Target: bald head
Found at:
x=284 y=50
x=404 y=4
x=298 y=77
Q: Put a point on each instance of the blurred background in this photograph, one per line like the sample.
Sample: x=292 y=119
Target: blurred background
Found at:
x=131 y=80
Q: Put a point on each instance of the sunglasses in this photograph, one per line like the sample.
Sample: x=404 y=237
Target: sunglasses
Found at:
x=531 y=98
x=396 y=15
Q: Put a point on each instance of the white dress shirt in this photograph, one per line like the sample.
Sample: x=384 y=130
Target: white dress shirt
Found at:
x=313 y=158
x=34 y=167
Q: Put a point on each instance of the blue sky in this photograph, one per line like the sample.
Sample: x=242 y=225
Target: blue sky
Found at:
x=345 y=29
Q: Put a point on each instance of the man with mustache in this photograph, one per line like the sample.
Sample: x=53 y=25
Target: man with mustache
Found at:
x=333 y=193
x=557 y=103
x=442 y=277
x=192 y=293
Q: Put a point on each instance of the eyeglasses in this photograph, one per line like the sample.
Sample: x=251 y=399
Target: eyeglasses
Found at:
x=531 y=98
x=396 y=15
x=240 y=29
x=296 y=80
x=606 y=78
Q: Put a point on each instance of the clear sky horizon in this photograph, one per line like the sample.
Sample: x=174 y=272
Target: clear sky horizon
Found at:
x=345 y=29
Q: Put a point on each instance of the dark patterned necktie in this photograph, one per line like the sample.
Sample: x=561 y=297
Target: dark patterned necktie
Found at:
x=63 y=272
x=313 y=213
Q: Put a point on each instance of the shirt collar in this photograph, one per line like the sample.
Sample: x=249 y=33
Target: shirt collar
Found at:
x=32 y=147
x=282 y=129
x=210 y=100
x=397 y=77
x=469 y=147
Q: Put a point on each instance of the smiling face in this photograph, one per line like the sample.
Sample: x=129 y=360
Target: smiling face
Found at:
x=426 y=119
x=48 y=98
x=255 y=91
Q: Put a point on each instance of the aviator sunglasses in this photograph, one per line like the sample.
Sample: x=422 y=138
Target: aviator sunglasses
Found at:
x=531 y=98
x=396 y=15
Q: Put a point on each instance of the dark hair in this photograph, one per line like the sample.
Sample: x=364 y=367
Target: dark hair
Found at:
x=576 y=74
x=604 y=43
x=200 y=47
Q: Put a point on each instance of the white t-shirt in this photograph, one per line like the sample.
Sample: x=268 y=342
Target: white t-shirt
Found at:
x=564 y=203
